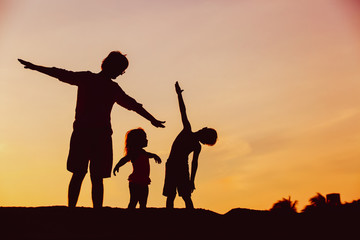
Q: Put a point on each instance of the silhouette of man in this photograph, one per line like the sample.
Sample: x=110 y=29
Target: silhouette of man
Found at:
x=177 y=167
x=91 y=140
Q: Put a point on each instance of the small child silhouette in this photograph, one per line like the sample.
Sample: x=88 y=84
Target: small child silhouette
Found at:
x=177 y=167
x=139 y=180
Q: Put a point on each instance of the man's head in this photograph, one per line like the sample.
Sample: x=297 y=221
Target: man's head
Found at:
x=207 y=136
x=114 y=64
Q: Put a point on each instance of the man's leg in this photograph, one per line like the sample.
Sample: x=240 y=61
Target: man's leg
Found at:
x=74 y=188
x=101 y=157
x=97 y=191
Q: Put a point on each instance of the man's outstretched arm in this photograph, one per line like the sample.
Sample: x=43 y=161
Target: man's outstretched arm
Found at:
x=145 y=114
x=61 y=74
x=130 y=103
x=53 y=72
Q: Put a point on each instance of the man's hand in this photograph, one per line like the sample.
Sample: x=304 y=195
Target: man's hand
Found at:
x=26 y=64
x=158 y=123
x=177 y=88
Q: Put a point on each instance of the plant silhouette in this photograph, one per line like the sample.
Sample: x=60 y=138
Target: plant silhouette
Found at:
x=284 y=206
x=316 y=203
x=319 y=203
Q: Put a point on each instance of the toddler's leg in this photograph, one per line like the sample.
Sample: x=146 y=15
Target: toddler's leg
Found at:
x=144 y=196
x=134 y=196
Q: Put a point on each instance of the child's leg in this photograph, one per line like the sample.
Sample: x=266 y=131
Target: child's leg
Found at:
x=134 y=198
x=144 y=196
x=74 y=188
x=169 y=189
x=188 y=202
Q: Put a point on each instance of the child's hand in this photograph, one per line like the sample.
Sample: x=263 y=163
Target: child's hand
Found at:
x=116 y=169
x=177 y=88
x=157 y=159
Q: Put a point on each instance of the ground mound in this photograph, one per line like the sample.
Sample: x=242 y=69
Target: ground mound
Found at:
x=60 y=222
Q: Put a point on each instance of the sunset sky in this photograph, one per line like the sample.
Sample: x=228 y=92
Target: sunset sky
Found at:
x=279 y=80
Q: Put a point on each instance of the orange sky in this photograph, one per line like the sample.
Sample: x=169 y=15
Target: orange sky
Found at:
x=279 y=80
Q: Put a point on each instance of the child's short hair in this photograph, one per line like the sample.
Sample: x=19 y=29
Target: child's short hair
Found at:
x=208 y=136
x=115 y=60
x=134 y=139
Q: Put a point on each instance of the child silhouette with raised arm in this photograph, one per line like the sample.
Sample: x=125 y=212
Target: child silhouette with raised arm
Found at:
x=139 y=179
x=91 y=142
x=177 y=167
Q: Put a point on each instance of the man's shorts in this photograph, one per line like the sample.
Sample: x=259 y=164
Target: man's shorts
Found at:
x=93 y=147
x=177 y=178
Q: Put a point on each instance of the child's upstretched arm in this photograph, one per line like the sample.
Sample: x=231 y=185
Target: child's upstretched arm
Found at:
x=154 y=156
x=184 y=117
x=121 y=163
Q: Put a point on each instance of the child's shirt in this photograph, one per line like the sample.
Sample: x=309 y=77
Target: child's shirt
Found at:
x=141 y=169
x=184 y=144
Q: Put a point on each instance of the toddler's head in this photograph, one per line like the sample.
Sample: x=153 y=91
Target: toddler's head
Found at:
x=135 y=139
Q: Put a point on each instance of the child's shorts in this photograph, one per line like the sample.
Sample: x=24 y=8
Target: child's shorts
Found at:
x=177 y=178
x=93 y=147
